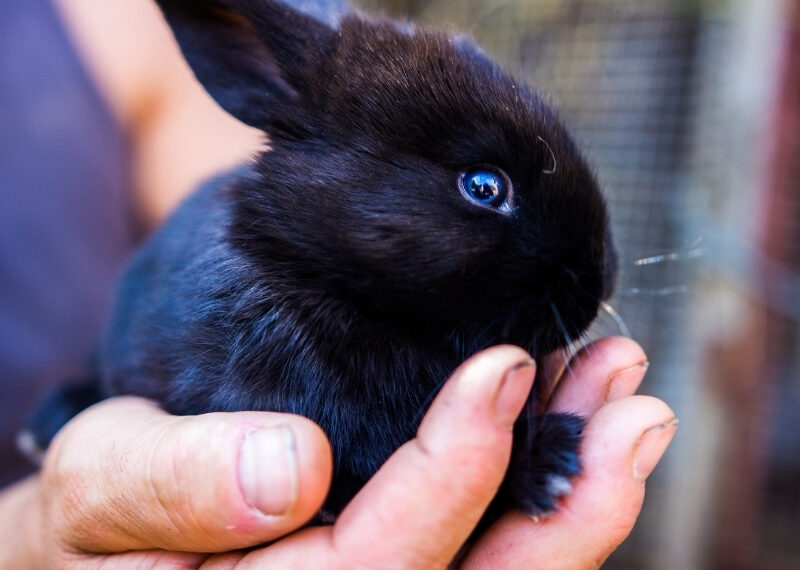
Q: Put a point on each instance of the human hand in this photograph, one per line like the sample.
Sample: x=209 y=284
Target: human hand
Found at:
x=415 y=513
x=623 y=441
x=125 y=485
x=422 y=505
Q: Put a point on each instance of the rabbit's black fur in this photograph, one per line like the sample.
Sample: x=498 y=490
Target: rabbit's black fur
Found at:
x=344 y=275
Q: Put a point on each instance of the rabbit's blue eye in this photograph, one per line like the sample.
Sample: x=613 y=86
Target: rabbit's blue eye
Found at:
x=484 y=186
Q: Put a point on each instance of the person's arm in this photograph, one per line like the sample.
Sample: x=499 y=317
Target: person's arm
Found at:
x=178 y=135
x=126 y=485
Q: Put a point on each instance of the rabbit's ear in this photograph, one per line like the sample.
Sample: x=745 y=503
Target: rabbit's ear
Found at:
x=253 y=56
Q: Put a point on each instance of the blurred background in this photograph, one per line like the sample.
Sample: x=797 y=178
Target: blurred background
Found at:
x=690 y=112
x=688 y=109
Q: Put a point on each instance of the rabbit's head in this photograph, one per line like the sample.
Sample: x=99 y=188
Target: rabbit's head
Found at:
x=410 y=179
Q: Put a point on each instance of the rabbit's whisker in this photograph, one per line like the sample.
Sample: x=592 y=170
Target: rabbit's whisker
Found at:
x=555 y=163
x=560 y=323
x=567 y=363
x=565 y=350
x=695 y=250
x=608 y=309
x=662 y=292
x=617 y=318
x=586 y=344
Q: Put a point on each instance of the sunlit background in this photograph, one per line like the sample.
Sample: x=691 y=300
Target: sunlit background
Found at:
x=690 y=112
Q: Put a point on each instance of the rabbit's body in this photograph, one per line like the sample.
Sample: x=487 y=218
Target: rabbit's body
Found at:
x=246 y=343
x=417 y=205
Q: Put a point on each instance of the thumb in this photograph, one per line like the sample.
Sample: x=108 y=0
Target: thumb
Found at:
x=124 y=475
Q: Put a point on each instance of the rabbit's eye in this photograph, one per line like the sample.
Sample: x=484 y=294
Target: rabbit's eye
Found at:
x=485 y=186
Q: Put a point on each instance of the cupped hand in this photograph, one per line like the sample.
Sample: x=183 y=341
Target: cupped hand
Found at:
x=419 y=509
x=126 y=485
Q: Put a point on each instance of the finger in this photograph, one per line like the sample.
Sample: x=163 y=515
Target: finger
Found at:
x=604 y=371
x=623 y=442
x=424 y=502
x=131 y=560
x=225 y=561
x=124 y=475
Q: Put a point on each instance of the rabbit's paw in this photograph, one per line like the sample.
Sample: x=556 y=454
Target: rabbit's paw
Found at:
x=544 y=460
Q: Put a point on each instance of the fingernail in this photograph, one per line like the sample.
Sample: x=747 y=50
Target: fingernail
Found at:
x=651 y=446
x=620 y=381
x=268 y=470
x=513 y=392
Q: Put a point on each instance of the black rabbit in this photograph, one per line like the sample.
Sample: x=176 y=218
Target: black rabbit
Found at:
x=417 y=205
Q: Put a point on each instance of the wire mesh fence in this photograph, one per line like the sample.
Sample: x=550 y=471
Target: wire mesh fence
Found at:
x=690 y=112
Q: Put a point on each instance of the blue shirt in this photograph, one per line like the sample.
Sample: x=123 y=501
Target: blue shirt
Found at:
x=66 y=224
